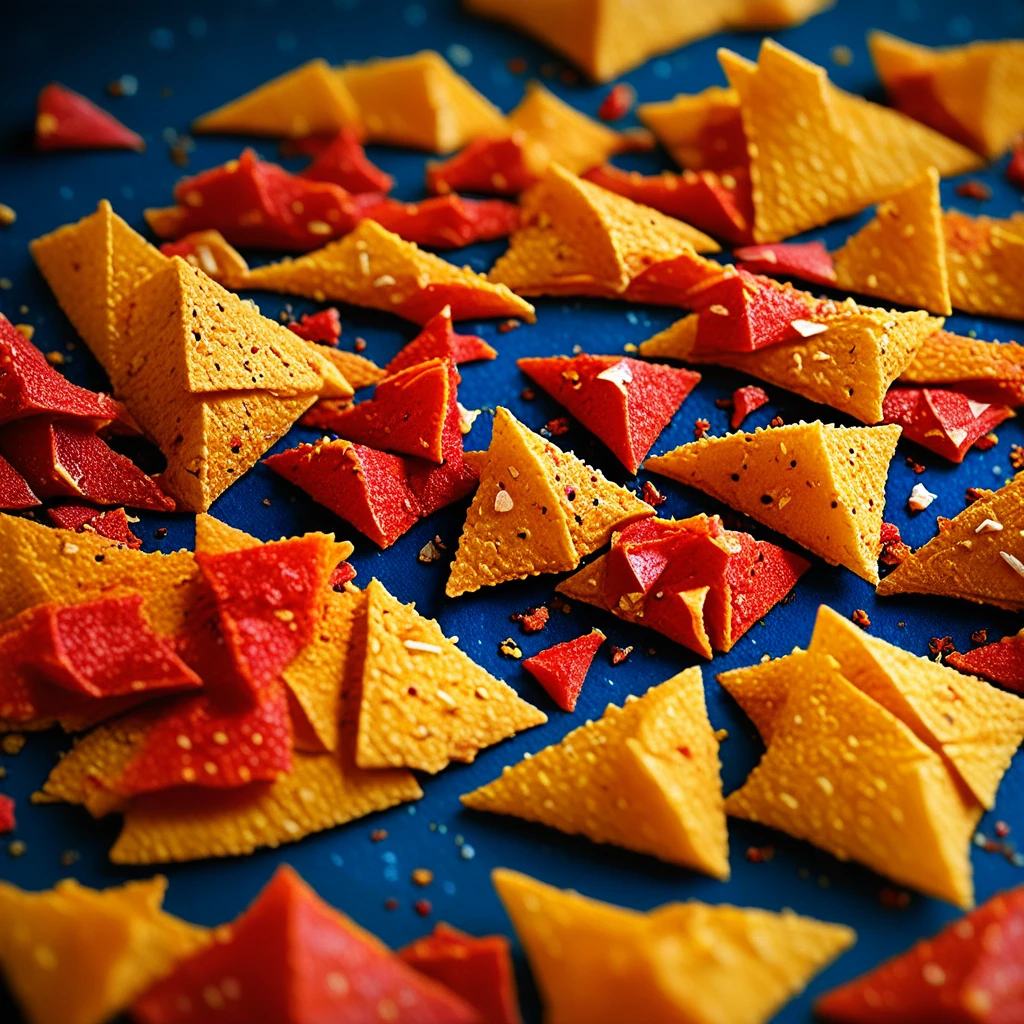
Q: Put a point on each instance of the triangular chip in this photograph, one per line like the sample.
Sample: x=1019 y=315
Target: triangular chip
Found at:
x=625 y=402
x=832 y=745
x=438 y=340
x=343 y=161
x=901 y=254
x=66 y=120
x=848 y=365
x=562 y=669
x=801 y=261
x=645 y=776
x=92 y=267
x=986 y=262
x=761 y=690
x=15 y=492
x=580 y=239
x=1002 y=662
x=73 y=955
x=424 y=703
x=970 y=93
x=373 y=267
x=419 y=101
x=818 y=153
x=822 y=485
x=968 y=559
x=679 y=962
x=976 y=727
x=309 y=100
x=294 y=959
x=701 y=132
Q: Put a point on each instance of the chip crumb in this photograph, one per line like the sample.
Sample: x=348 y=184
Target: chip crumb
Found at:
x=69 y=857
x=6 y=284
x=841 y=55
x=620 y=654
x=509 y=648
x=508 y=325
x=974 y=189
x=428 y=553
x=1017 y=456
x=973 y=494
x=556 y=427
x=721 y=735
x=7 y=215
x=55 y=358
x=979 y=636
x=700 y=429
x=12 y=743
x=126 y=85
x=17 y=847
x=860 y=618
x=516 y=65
x=987 y=442
x=777 y=421
x=760 y=854
x=938 y=646
x=533 y=620
x=527 y=394
x=422 y=877
x=391 y=903
x=893 y=899
x=160 y=532
x=378 y=835
x=27 y=331
x=920 y=498
x=423 y=907
x=651 y=495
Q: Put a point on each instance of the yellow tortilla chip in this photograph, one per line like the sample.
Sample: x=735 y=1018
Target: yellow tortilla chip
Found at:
x=985 y=369
x=92 y=267
x=975 y=726
x=309 y=100
x=321 y=792
x=976 y=88
x=73 y=955
x=373 y=267
x=761 y=690
x=419 y=101
x=901 y=254
x=682 y=123
x=986 y=265
x=845 y=774
x=850 y=366
x=603 y=964
x=818 y=153
x=965 y=560
x=523 y=521
x=423 y=702
x=644 y=776
x=821 y=485
x=577 y=238
x=359 y=371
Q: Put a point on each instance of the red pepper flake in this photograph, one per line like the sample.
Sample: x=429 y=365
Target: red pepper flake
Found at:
x=1002 y=829
x=941 y=645
x=618 y=103
x=723 y=403
x=893 y=552
x=557 y=427
x=894 y=899
x=979 y=636
x=915 y=466
x=527 y=394
x=533 y=620
x=391 y=903
x=160 y=532
x=744 y=402
x=378 y=835
x=652 y=495
x=974 y=189
x=423 y=907
x=509 y=325
x=1017 y=456
x=972 y=494
x=760 y=854
x=700 y=429
x=777 y=421
x=516 y=65
x=620 y=654
x=359 y=344
x=685 y=751
x=983 y=444
x=860 y=618
x=422 y=877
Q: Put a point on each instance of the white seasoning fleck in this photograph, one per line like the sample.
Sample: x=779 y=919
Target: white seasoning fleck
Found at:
x=989 y=526
x=920 y=498
x=977 y=408
x=421 y=645
x=808 y=328
x=1013 y=562
x=384 y=281
x=503 y=502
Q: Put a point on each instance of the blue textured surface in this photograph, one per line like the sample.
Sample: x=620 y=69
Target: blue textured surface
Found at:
x=186 y=63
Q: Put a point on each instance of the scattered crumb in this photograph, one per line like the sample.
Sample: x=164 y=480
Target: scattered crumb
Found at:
x=989 y=440
x=760 y=854
x=423 y=907
x=516 y=65
x=557 y=427
x=422 y=877
x=620 y=654
x=17 y=847
x=378 y=835
x=842 y=55
x=939 y=646
x=721 y=735
x=650 y=494
x=860 y=618
x=533 y=620
x=12 y=743
x=1017 y=456
x=527 y=394
x=508 y=325
x=777 y=421
x=391 y=903
x=979 y=636
x=7 y=216
x=27 y=331
x=510 y=649
x=915 y=466
x=700 y=429
x=974 y=189
x=894 y=899
x=429 y=553
x=359 y=345
x=55 y=358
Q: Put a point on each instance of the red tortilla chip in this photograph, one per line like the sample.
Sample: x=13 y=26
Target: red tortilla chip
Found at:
x=7 y=821
x=323 y=328
x=702 y=132
x=745 y=401
x=113 y=524
x=804 y=261
x=1002 y=662
x=448 y=221
x=15 y=492
x=343 y=161
x=501 y=167
x=439 y=340
x=292 y=957
x=562 y=669
x=66 y=120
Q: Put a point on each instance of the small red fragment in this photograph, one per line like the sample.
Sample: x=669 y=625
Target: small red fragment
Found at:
x=939 y=645
x=760 y=854
x=805 y=261
x=745 y=401
x=620 y=654
x=986 y=441
x=1002 y=662
x=562 y=669
x=860 y=618
x=974 y=189
x=112 y=524
x=558 y=426
x=341 y=574
x=533 y=620
x=344 y=162
x=509 y=325
x=324 y=327
x=618 y=103
x=497 y=167
x=7 y=822
x=423 y=907
x=66 y=120
x=480 y=971
x=651 y=495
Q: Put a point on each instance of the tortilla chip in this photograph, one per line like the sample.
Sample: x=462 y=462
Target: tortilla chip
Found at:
x=974 y=726
x=418 y=101
x=560 y=134
x=373 y=267
x=359 y=371
x=850 y=366
x=208 y=250
x=818 y=153
x=424 y=703
x=985 y=371
x=831 y=748
x=986 y=265
x=821 y=485
x=73 y=955
x=92 y=267
x=651 y=782
x=701 y=132
x=321 y=791
x=971 y=93
x=309 y=100
x=683 y=961
x=580 y=239
x=985 y=567
x=901 y=254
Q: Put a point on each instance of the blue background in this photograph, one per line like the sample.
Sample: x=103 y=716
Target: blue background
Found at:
x=189 y=59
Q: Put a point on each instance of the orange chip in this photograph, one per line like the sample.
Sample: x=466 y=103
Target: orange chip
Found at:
x=818 y=153
x=537 y=509
x=971 y=93
x=680 y=962
x=580 y=239
x=978 y=556
x=73 y=955
x=701 y=132
x=761 y=690
x=92 y=267
x=986 y=265
x=834 y=745
x=372 y=267
x=359 y=371
x=423 y=702
x=419 y=101
x=849 y=366
x=310 y=100
x=638 y=791
x=901 y=254
x=821 y=485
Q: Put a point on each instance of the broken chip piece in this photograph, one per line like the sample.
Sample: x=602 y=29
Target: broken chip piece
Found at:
x=986 y=258
x=66 y=120
x=1002 y=661
x=562 y=669
x=701 y=132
